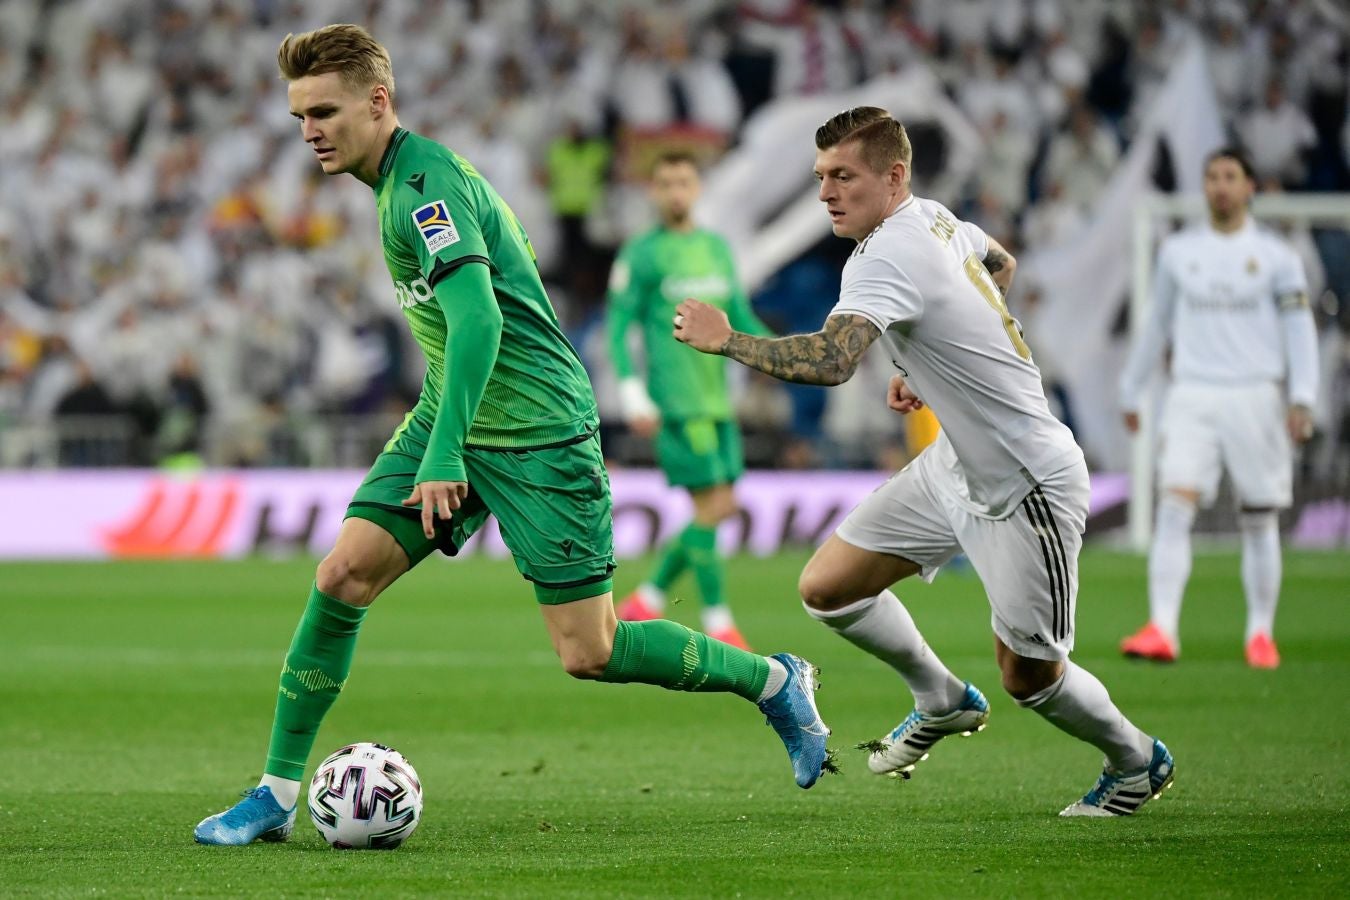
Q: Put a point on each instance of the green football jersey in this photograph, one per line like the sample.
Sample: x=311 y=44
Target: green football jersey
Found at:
x=437 y=213
x=654 y=271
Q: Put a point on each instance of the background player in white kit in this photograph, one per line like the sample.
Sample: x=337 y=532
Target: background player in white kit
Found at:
x=1004 y=481
x=1232 y=300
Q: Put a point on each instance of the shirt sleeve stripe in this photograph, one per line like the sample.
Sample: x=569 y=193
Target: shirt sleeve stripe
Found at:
x=443 y=268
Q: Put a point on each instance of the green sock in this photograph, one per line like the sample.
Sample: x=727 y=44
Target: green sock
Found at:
x=671 y=565
x=315 y=670
x=666 y=653
x=700 y=546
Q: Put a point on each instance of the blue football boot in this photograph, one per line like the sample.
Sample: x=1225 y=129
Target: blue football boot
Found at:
x=792 y=713
x=258 y=815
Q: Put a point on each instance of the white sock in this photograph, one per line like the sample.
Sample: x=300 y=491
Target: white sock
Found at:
x=285 y=790
x=1261 y=566
x=777 y=678
x=1078 y=704
x=1169 y=563
x=717 y=618
x=652 y=596
x=883 y=627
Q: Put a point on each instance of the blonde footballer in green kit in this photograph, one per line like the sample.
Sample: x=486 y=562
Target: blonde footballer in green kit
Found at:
x=505 y=425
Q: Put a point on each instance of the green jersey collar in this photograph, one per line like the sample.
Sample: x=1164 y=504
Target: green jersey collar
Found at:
x=395 y=141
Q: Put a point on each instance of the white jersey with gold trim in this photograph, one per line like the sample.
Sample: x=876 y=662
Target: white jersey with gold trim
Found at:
x=920 y=278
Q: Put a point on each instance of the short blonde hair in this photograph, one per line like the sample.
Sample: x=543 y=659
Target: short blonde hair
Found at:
x=349 y=50
x=883 y=139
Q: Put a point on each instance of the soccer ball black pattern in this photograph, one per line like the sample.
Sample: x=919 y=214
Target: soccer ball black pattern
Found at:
x=365 y=797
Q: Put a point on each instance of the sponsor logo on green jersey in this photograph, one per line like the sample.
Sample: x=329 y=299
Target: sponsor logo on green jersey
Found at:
x=411 y=293
x=707 y=288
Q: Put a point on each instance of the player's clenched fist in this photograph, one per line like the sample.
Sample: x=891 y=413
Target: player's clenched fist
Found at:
x=701 y=326
x=900 y=398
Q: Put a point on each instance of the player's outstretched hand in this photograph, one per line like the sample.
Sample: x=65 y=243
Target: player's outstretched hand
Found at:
x=1300 y=424
x=701 y=326
x=900 y=398
x=438 y=499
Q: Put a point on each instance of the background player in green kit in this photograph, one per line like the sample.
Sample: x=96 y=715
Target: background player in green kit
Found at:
x=684 y=400
x=506 y=424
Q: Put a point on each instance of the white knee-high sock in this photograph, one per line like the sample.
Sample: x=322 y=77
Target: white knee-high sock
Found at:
x=1078 y=704
x=1169 y=563
x=884 y=628
x=1261 y=569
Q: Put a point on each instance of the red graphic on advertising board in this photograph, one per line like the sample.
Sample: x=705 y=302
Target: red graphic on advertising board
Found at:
x=177 y=519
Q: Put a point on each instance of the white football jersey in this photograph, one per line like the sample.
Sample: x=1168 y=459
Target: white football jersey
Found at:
x=1215 y=297
x=920 y=278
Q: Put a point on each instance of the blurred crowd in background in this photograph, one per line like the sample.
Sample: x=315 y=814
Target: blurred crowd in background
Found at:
x=178 y=280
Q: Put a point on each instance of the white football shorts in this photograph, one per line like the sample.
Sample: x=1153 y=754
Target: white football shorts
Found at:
x=1028 y=560
x=1208 y=428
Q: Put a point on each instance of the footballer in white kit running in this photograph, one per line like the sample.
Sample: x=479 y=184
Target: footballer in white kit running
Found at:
x=1232 y=300
x=1004 y=482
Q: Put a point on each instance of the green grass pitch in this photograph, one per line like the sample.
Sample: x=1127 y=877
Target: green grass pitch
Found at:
x=135 y=698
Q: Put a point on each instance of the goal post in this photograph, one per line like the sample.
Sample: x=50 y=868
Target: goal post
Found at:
x=1312 y=210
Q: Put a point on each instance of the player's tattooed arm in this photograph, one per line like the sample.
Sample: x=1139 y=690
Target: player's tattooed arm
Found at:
x=1001 y=265
x=830 y=356
x=996 y=261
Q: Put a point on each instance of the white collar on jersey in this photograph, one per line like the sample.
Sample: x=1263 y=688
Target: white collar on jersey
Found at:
x=905 y=204
x=1248 y=226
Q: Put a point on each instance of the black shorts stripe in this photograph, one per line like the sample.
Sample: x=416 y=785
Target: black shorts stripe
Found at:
x=1055 y=575
x=1059 y=591
x=1057 y=554
x=1063 y=561
x=565 y=442
x=560 y=585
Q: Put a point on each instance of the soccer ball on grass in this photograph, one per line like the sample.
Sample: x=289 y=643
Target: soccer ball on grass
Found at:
x=365 y=797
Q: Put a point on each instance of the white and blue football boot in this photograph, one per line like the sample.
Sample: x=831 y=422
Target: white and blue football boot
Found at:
x=908 y=743
x=792 y=713
x=1122 y=794
x=258 y=815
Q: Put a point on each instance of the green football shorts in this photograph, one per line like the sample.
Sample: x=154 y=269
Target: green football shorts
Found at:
x=552 y=504
x=700 y=453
